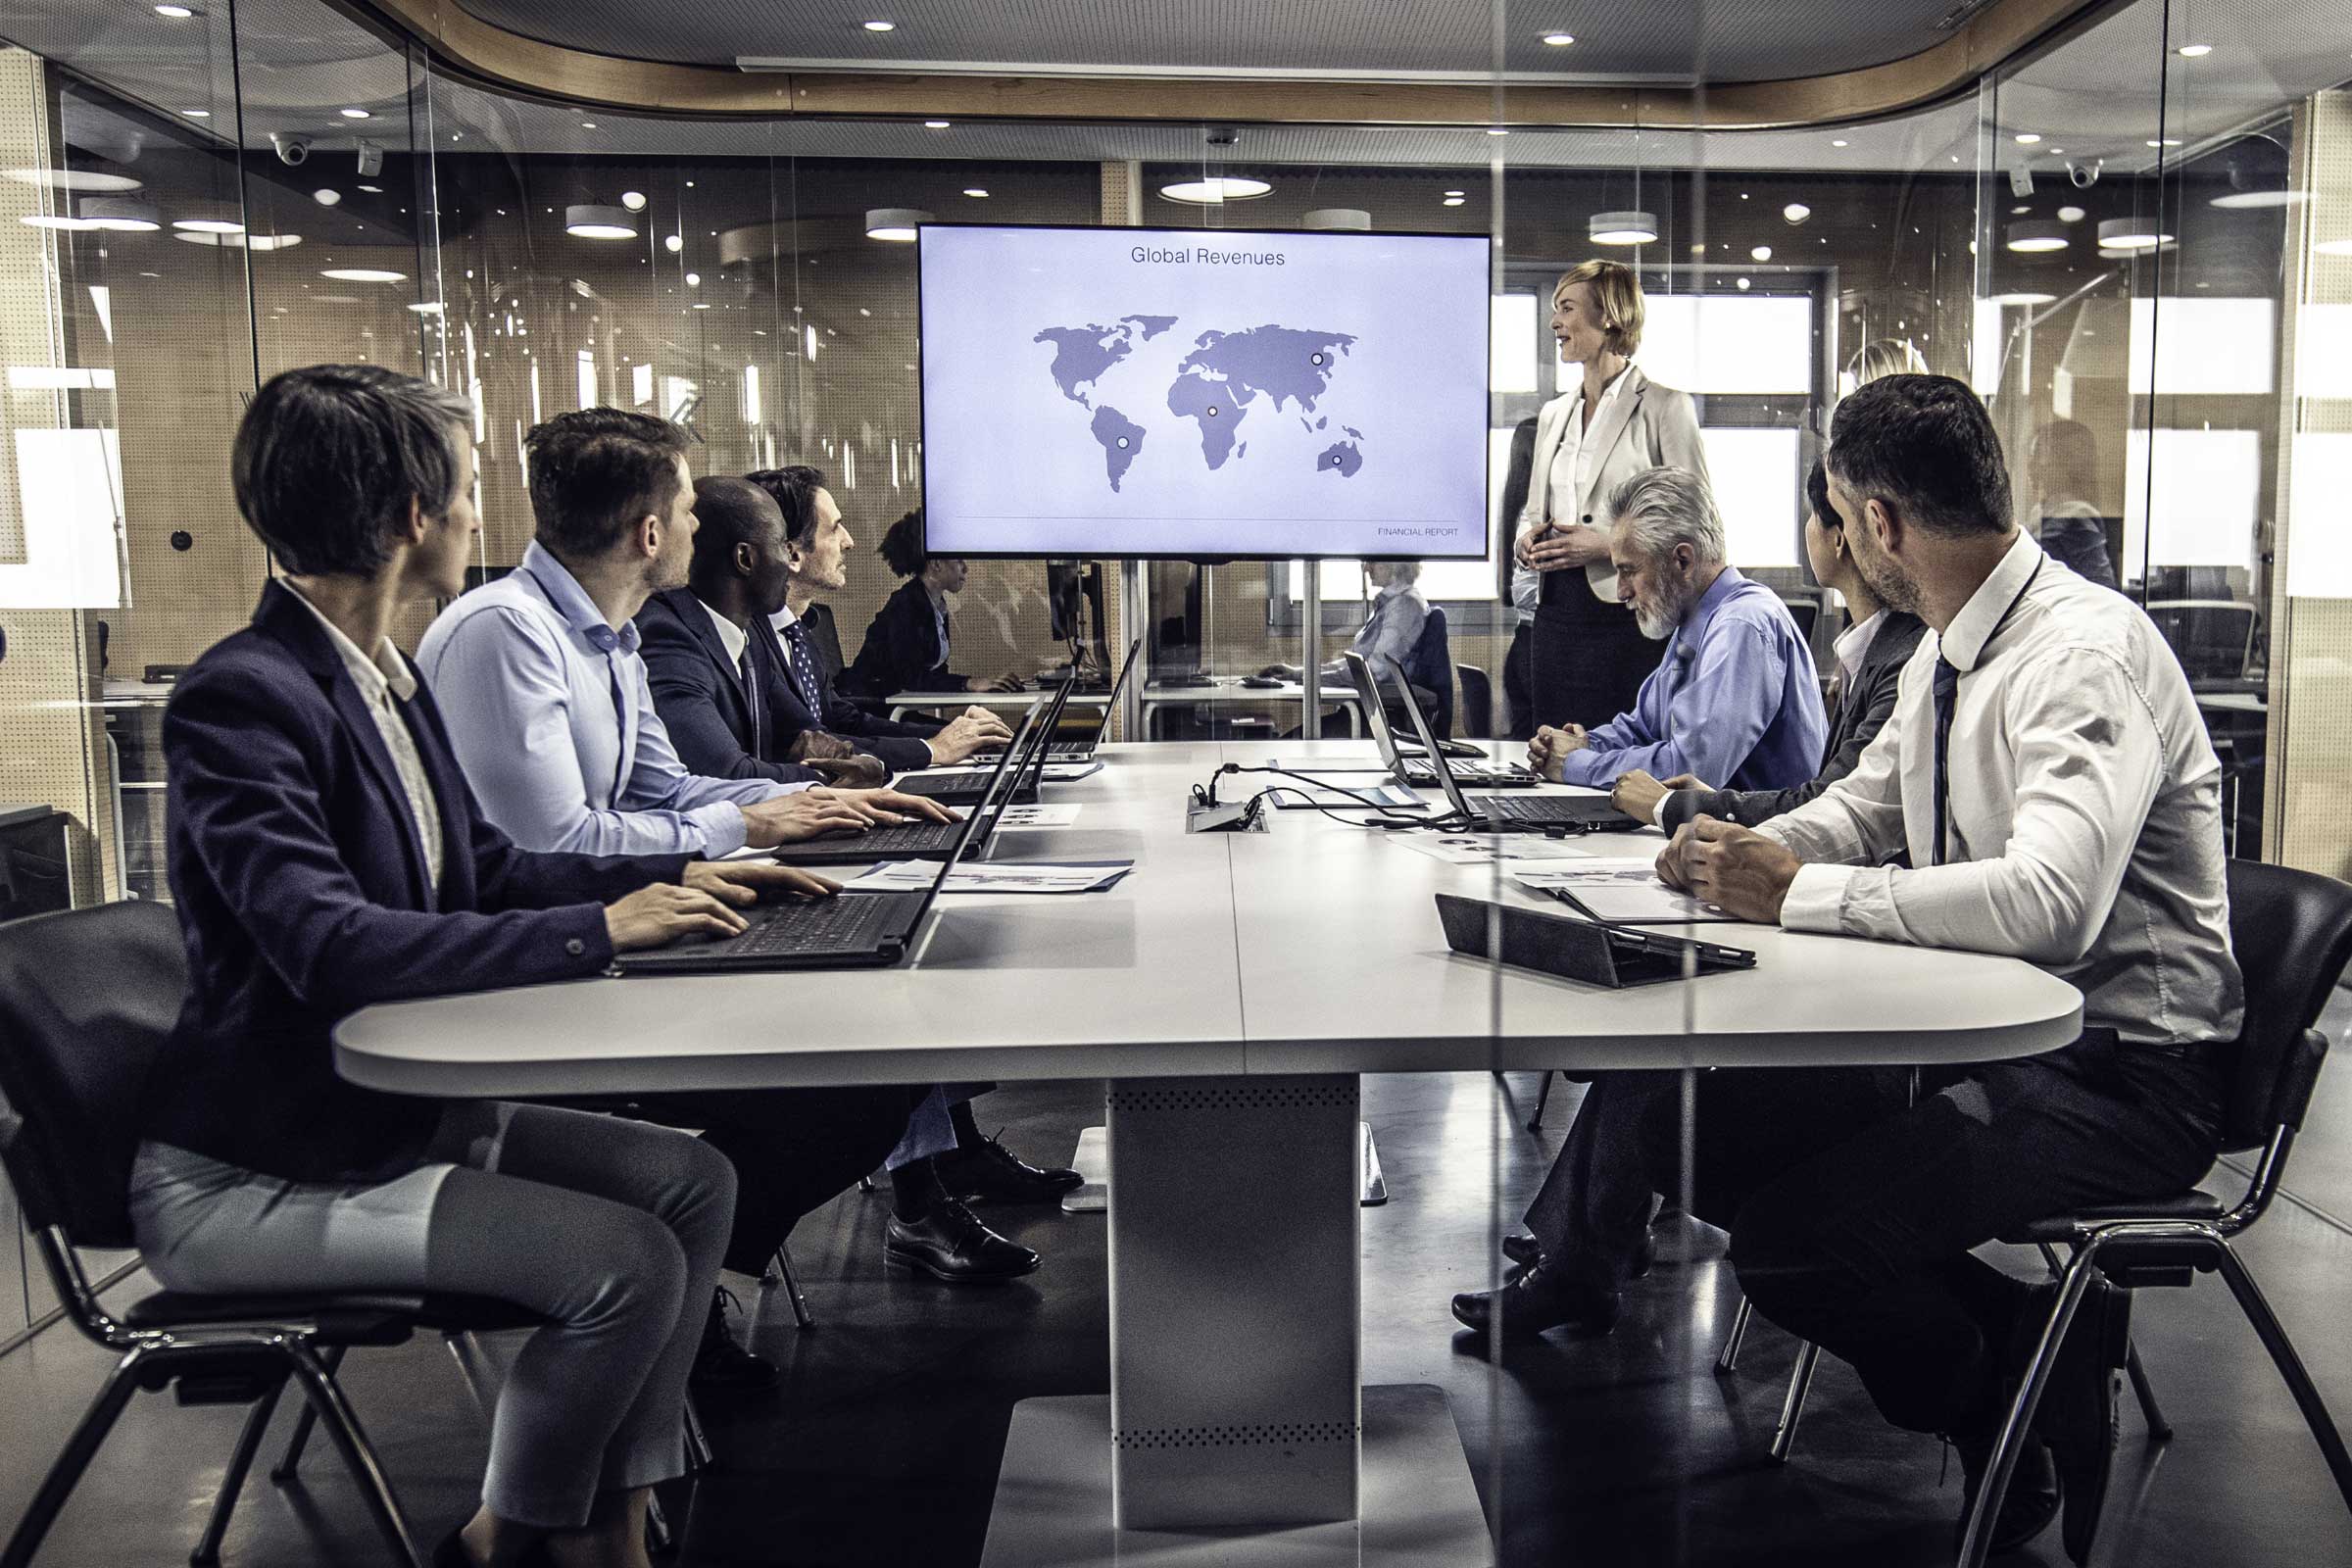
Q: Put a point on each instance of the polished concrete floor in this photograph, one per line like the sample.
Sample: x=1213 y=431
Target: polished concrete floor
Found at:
x=883 y=1445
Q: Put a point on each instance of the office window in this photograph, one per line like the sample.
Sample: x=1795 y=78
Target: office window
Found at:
x=2324 y=356
x=1511 y=361
x=1755 y=482
x=1728 y=344
x=2319 y=558
x=2205 y=347
x=2202 y=486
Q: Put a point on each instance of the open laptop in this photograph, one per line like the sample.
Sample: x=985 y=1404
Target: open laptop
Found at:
x=931 y=841
x=967 y=787
x=1081 y=748
x=1416 y=771
x=1519 y=813
x=847 y=931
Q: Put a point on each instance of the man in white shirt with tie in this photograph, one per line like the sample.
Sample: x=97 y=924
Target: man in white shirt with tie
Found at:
x=2048 y=776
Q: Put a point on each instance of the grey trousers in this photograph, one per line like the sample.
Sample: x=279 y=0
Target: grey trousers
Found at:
x=612 y=1230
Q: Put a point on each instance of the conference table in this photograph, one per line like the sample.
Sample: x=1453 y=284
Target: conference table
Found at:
x=1229 y=991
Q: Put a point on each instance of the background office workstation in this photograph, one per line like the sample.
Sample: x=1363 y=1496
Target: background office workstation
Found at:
x=1210 y=340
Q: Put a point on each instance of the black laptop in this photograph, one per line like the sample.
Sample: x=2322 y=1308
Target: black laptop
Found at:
x=1081 y=748
x=967 y=787
x=1520 y=814
x=847 y=931
x=1416 y=772
x=926 y=840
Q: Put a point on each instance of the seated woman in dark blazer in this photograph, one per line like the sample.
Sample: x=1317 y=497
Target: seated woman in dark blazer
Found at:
x=906 y=644
x=324 y=854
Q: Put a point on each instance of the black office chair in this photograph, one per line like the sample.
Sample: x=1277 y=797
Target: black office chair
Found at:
x=85 y=999
x=2292 y=933
x=1478 y=702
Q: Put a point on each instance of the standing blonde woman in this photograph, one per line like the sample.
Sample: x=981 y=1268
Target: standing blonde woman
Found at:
x=1590 y=658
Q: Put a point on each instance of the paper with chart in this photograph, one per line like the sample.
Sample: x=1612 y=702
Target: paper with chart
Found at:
x=993 y=876
x=1626 y=890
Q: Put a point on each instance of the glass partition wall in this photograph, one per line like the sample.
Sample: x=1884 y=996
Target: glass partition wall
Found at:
x=2135 y=241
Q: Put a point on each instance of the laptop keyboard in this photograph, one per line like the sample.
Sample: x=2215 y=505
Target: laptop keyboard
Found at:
x=1541 y=809
x=1423 y=774
x=910 y=837
x=845 y=922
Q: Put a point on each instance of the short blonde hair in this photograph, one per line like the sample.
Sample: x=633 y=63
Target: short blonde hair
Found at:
x=1616 y=294
x=1884 y=357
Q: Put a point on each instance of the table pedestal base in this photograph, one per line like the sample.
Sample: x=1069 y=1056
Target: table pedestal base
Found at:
x=1092 y=1161
x=1418 y=1508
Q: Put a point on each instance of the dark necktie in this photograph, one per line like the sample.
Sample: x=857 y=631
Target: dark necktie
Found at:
x=803 y=671
x=1947 y=698
x=751 y=701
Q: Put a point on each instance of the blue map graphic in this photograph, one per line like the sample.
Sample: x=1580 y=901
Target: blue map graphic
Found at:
x=1216 y=385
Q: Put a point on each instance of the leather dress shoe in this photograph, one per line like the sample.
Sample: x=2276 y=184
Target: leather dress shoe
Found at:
x=950 y=1244
x=2027 y=1507
x=1523 y=1250
x=720 y=1365
x=1534 y=1300
x=2076 y=1415
x=987 y=1172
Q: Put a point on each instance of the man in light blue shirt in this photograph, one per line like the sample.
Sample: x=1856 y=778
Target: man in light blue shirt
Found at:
x=1736 y=698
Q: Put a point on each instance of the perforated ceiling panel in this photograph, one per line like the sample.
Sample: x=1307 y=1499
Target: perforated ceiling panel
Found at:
x=1749 y=41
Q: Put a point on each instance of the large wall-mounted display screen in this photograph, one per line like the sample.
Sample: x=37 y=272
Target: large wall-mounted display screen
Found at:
x=1193 y=392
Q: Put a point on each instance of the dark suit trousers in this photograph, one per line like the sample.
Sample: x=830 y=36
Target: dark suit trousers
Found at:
x=1624 y=1147
x=1587 y=659
x=1518 y=685
x=1852 y=1215
x=794 y=1149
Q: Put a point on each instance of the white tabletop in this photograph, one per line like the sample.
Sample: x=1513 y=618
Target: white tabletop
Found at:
x=1313 y=948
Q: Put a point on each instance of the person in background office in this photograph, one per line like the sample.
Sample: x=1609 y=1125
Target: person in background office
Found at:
x=1870 y=657
x=906 y=644
x=813 y=548
x=2064 y=469
x=717 y=675
x=1883 y=356
x=1736 y=697
x=2048 y=775
x=1589 y=655
x=1390 y=639
x=1520 y=588
x=326 y=855
x=551 y=711
x=1588 y=1229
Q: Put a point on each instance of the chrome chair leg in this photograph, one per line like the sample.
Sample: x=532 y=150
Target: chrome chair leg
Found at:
x=781 y=1270
x=699 y=1453
x=233 y=1480
x=1535 y=1122
x=466 y=1349
x=1793 y=1408
x=300 y=1437
x=660 y=1540
x=2257 y=1309
x=2159 y=1429
x=1976 y=1539
x=65 y=1472
x=1728 y=1362
x=343 y=1429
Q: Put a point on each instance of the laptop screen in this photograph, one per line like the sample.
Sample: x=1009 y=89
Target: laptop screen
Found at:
x=1028 y=737
x=1111 y=700
x=1429 y=744
x=1376 y=719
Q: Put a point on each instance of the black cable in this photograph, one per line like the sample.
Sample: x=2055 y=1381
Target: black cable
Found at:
x=1390 y=818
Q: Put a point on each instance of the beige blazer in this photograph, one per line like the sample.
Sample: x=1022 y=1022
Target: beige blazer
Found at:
x=1646 y=425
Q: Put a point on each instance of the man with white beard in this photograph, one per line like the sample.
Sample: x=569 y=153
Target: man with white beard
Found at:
x=1737 y=699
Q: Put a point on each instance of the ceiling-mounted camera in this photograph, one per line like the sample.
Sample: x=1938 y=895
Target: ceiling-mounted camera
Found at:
x=293 y=150
x=371 y=160
x=2083 y=173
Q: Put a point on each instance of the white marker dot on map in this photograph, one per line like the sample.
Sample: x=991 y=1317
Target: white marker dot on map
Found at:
x=1318 y=359
x=1212 y=411
x=1122 y=440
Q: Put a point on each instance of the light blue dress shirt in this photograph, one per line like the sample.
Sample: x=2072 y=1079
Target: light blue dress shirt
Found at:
x=1736 y=700
x=553 y=720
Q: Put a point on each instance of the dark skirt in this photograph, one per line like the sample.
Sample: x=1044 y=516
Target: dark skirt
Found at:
x=1588 y=659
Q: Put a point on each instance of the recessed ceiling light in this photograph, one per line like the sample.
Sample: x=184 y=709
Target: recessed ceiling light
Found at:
x=327 y=198
x=75 y=180
x=373 y=190
x=2035 y=236
x=2238 y=200
x=427 y=307
x=2070 y=215
x=1451 y=200
x=1215 y=190
x=633 y=200
x=2164 y=141
x=976 y=192
x=936 y=124
x=701 y=305
x=2020 y=210
x=587 y=124
x=209 y=225
x=1497 y=130
x=356 y=113
x=673 y=244
x=1795 y=212
x=2196 y=51
x=363 y=274
x=196 y=114
x=1761 y=253
x=694 y=280
x=2026 y=138
x=1622 y=228
x=1559 y=40
x=1841 y=143
x=587 y=220
x=175 y=12
x=881 y=26
x=1741 y=283
x=897 y=224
